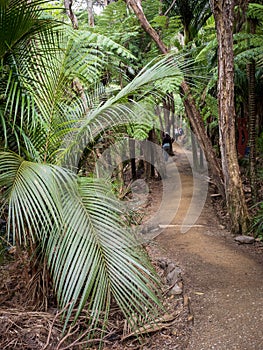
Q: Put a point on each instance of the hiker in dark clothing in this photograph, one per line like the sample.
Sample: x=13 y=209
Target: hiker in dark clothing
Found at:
x=167 y=145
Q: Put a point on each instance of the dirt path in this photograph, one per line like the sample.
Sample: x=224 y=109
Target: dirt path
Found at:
x=223 y=279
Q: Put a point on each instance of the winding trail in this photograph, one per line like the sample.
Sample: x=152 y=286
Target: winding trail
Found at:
x=222 y=278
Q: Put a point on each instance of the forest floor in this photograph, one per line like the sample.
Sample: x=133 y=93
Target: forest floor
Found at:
x=220 y=305
x=223 y=279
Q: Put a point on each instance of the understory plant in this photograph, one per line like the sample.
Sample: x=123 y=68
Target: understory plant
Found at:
x=52 y=104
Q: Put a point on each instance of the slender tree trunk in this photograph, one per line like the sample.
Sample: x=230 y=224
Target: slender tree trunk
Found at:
x=137 y=8
x=161 y=8
x=191 y=109
x=194 y=151
x=224 y=17
x=147 y=157
x=172 y=108
x=150 y=171
x=141 y=163
x=90 y=13
x=205 y=142
x=158 y=112
x=70 y=13
x=166 y=113
x=132 y=158
x=157 y=158
x=201 y=159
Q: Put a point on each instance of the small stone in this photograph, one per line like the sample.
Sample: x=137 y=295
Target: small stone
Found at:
x=176 y=290
x=244 y=239
x=173 y=276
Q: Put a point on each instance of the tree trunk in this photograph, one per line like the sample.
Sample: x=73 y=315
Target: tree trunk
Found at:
x=158 y=112
x=252 y=120
x=194 y=151
x=90 y=13
x=70 y=13
x=252 y=129
x=189 y=103
x=137 y=8
x=201 y=159
x=132 y=158
x=172 y=109
x=204 y=141
x=166 y=114
x=231 y=188
x=150 y=170
x=224 y=16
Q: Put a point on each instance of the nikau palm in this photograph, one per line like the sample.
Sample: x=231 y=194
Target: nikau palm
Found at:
x=46 y=121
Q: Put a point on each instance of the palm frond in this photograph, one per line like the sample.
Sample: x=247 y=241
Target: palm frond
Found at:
x=33 y=192
x=118 y=110
x=96 y=252
x=79 y=226
x=255 y=11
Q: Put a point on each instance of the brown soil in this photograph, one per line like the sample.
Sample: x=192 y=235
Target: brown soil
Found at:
x=223 y=279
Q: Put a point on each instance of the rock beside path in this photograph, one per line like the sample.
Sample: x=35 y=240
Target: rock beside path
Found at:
x=173 y=276
x=244 y=239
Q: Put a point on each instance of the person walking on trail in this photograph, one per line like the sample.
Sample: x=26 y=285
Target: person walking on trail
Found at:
x=166 y=145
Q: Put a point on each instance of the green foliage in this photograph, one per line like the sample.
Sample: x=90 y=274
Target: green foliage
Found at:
x=260 y=143
x=248 y=47
x=257 y=222
x=210 y=109
x=255 y=12
x=193 y=15
x=122 y=25
x=151 y=8
x=140 y=131
x=118 y=24
x=159 y=22
x=52 y=105
x=79 y=227
x=178 y=104
x=169 y=85
x=206 y=49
